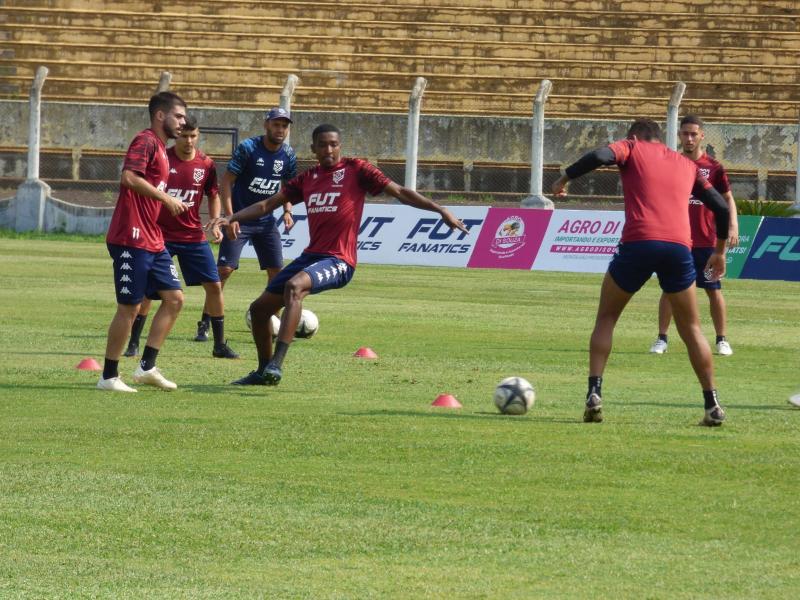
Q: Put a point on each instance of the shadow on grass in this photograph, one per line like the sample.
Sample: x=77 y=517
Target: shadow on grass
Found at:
x=698 y=404
x=440 y=414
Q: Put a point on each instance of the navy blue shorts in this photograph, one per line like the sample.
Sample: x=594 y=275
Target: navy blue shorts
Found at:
x=196 y=260
x=326 y=272
x=701 y=256
x=635 y=262
x=139 y=273
x=266 y=241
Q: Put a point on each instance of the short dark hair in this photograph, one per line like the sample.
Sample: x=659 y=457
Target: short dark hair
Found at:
x=164 y=101
x=191 y=123
x=692 y=120
x=645 y=129
x=324 y=128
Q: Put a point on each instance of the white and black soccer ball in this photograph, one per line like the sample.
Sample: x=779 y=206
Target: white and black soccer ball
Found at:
x=276 y=322
x=514 y=396
x=308 y=325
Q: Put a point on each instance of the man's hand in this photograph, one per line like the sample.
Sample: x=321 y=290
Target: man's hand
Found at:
x=715 y=267
x=174 y=206
x=214 y=227
x=288 y=221
x=733 y=237
x=560 y=186
x=452 y=221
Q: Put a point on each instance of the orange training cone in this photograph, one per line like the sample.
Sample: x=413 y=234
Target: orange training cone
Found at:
x=89 y=364
x=446 y=401
x=365 y=352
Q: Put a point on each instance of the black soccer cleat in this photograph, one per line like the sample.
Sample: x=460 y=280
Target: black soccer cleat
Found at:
x=272 y=374
x=202 y=331
x=223 y=351
x=714 y=417
x=593 y=413
x=252 y=378
x=131 y=350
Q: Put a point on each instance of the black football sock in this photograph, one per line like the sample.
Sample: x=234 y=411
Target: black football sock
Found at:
x=720 y=338
x=148 y=358
x=710 y=399
x=218 y=329
x=206 y=318
x=110 y=368
x=595 y=385
x=662 y=337
x=136 y=330
x=280 y=353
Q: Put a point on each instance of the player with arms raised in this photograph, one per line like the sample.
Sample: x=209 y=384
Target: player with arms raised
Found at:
x=704 y=236
x=333 y=193
x=192 y=175
x=142 y=266
x=656 y=182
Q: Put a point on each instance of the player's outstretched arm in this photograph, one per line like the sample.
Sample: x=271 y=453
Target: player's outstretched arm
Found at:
x=252 y=212
x=137 y=183
x=588 y=162
x=417 y=200
x=733 y=231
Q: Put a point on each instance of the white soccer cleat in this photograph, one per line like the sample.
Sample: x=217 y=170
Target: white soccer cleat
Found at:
x=153 y=377
x=658 y=347
x=724 y=348
x=113 y=384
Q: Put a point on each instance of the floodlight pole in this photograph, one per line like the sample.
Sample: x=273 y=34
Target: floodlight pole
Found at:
x=164 y=82
x=412 y=132
x=287 y=93
x=672 y=114
x=537 y=199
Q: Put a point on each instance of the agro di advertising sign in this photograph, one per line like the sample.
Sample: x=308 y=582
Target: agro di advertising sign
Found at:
x=580 y=241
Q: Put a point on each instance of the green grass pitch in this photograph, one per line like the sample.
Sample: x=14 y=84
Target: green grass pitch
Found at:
x=344 y=482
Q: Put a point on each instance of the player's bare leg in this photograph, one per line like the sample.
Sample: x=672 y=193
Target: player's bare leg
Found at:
x=137 y=327
x=613 y=300
x=214 y=307
x=719 y=315
x=687 y=321
x=164 y=319
x=209 y=308
x=261 y=309
x=664 y=319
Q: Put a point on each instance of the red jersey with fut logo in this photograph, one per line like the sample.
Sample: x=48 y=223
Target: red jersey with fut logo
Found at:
x=134 y=220
x=334 y=200
x=656 y=182
x=701 y=219
x=188 y=181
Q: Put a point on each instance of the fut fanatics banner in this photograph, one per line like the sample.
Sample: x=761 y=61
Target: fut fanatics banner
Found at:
x=580 y=241
x=775 y=253
x=397 y=234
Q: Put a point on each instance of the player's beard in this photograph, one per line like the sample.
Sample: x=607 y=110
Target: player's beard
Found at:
x=273 y=140
x=172 y=132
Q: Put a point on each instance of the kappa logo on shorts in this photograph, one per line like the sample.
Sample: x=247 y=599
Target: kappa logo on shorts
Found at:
x=125 y=254
x=199 y=174
x=277 y=166
x=125 y=279
x=125 y=291
x=338 y=176
x=125 y=267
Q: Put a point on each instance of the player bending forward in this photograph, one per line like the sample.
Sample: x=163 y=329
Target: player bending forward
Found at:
x=656 y=182
x=334 y=194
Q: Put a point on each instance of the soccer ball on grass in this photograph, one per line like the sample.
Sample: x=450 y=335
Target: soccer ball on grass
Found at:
x=514 y=396
x=306 y=328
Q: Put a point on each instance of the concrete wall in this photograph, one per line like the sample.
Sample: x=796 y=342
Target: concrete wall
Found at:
x=446 y=138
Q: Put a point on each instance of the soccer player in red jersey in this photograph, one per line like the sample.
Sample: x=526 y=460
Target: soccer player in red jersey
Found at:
x=192 y=175
x=142 y=267
x=333 y=193
x=656 y=182
x=703 y=236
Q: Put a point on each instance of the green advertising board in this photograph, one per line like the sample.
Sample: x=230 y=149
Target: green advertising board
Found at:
x=737 y=256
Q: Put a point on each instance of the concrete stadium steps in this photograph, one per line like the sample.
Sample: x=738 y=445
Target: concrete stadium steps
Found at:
x=238 y=67
x=434 y=33
x=405 y=22
x=417 y=48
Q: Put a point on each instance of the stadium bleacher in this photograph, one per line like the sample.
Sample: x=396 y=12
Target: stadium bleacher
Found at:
x=607 y=59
